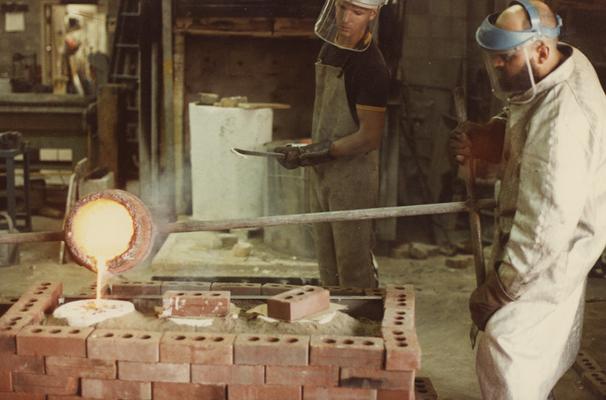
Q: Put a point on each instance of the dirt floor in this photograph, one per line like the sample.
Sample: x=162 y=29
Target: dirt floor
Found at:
x=441 y=314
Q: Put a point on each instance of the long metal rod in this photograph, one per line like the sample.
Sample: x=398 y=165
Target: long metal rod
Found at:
x=334 y=216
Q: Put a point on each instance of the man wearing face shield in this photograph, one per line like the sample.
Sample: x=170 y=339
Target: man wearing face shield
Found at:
x=551 y=143
x=351 y=94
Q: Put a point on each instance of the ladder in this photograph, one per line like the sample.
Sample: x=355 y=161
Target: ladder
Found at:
x=125 y=68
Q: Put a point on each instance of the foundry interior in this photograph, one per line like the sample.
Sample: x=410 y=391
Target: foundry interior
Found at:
x=242 y=199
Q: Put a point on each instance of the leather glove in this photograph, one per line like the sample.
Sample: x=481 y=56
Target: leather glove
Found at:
x=477 y=140
x=304 y=156
x=486 y=300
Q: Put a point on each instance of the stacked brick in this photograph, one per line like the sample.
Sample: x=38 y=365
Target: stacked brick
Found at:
x=52 y=362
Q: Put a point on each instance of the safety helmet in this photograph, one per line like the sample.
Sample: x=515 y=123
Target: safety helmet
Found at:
x=493 y=38
x=368 y=3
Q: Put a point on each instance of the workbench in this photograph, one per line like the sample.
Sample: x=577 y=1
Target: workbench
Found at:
x=48 y=121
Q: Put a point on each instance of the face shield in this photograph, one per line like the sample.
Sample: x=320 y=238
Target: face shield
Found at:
x=347 y=24
x=508 y=54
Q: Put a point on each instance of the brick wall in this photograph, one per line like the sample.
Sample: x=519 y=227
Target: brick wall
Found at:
x=60 y=362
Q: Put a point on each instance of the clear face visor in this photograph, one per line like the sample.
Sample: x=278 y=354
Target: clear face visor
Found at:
x=511 y=75
x=348 y=24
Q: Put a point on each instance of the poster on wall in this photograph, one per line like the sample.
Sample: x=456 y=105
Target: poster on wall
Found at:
x=14 y=22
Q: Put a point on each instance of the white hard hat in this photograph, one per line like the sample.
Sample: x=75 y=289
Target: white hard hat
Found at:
x=368 y=3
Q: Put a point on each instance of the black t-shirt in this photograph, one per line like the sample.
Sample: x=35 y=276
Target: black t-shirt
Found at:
x=366 y=75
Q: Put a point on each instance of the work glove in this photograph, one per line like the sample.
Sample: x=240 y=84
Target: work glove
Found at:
x=304 y=156
x=486 y=300
x=485 y=142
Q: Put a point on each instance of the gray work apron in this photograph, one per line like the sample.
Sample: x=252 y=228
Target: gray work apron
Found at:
x=343 y=248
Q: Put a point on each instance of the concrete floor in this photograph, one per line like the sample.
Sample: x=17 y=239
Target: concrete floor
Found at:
x=442 y=293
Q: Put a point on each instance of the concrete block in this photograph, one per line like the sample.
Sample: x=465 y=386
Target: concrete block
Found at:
x=124 y=345
x=228 y=374
x=40 y=340
x=264 y=392
x=197 y=348
x=377 y=379
x=298 y=303
x=45 y=384
x=183 y=391
x=114 y=389
x=346 y=351
x=80 y=367
x=251 y=349
x=196 y=303
x=319 y=375
x=153 y=372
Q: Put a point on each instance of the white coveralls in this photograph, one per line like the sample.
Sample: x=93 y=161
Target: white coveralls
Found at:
x=551 y=228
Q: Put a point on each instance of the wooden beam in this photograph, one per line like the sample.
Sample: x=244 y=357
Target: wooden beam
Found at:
x=167 y=148
x=178 y=102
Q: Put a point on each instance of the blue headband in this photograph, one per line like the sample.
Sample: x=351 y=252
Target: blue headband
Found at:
x=493 y=38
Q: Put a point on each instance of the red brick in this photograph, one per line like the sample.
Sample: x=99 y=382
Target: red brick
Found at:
x=40 y=340
x=401 y=318
x=264 y=392
x=22 y=396
x=67 y=398
x=396 y=394
x=154 y=372
x=178 y=285
x=377 y=379
x=197 y=348
x=400 y=296
x=272 y=289
x=323 y=393
x=228 y=374
x=106 y=389
x=298 y=303
x=34 y=383
x=347 y=351
x=48 y=294
x=252 y=349
x=196 y=304
x=15 y=363
x=130 y=289
x=124 y=345
x=81 y=367
x=402 y=350
x=6 y=383
x=318 y=375
x=10 y=325
x=184 y=391
x=238 y=288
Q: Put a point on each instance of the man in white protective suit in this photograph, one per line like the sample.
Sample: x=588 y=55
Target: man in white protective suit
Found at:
x=551 y=209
